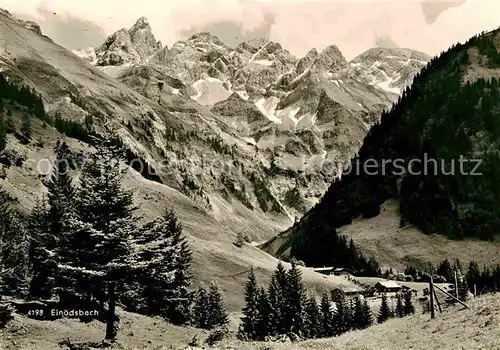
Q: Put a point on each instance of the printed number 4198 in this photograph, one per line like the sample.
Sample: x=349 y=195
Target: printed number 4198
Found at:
x=36 y=312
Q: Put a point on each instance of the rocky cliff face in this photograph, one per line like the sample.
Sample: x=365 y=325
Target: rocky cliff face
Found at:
x=389 y=69
x=126 y=46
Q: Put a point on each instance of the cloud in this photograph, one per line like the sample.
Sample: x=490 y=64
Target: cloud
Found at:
x=298 y=25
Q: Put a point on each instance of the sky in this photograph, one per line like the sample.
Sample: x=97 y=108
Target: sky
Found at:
x=298 y=25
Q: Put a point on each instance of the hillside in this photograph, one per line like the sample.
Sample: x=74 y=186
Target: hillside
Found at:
x=448 y=114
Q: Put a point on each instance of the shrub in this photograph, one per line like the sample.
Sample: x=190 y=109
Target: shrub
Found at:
x=241 y=239
x=216 y=335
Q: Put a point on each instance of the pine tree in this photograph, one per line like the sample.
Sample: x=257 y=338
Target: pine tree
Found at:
x=341 y=321
x=9 y=124
x=249 y=321
x=200 y=315
x=349 y=314
x=399 y=311
x=178 y=311
x=295 y=299
x=358 y=314
x=26 y=127
x=385 y=312
x=408 y=308
x=103 y=204
x=367 y=315
x=326 y=317
x=40 y=258
x=14 y=244
x=473 y=276
x=277 y=298
x=312 y=319
x=263 y=323
x=46 y=222
x=463 y=289
x=3 y=131
x=217 y=314
x=163 y=263
x=445 y=269
x=457 y=266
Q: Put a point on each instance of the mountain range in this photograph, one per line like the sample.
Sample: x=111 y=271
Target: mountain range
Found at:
x=308 y=115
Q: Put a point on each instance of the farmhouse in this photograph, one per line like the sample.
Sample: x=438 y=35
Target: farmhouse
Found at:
x=337 y=271
x=340 y=271
x=324 y=270
x=388 y=287
x=347 y=292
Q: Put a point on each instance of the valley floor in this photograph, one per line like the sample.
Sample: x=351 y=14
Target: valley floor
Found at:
x=382 y=237
x=456 y=328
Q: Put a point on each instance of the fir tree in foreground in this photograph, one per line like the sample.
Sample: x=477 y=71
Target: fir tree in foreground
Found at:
x=326 y=317
x=264 y=326
x=277 y=298
x=217 y=314
x=3 y=130
x=295 y=297
x=385 y=312
x=312 y=319
x=250 y=319
x=163 y=264
x=368 y=316
x=106 y=224
x=399 y=311
x=408 y=307
x=46 y=224
x=209 y=311
x=199 y=315
x=358 y=314
x=341 y=318
x=14 y=246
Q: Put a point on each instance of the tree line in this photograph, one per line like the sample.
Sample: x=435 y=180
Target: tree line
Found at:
x=23 y=95
x=285 y=308
x=485 y=279
x=86 y=240
x=8 y=126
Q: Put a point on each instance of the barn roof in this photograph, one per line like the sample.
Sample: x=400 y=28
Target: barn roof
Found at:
x=389 y=284
x=323 y=268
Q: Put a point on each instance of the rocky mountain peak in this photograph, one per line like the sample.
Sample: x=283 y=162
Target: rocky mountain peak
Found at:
x=206 y=38
x=305 y=62
x=134 y=45
x=142 y=37
x=331 y=58
x=391 y=69
x=141 y=23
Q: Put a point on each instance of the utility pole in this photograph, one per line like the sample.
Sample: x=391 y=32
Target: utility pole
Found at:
x=431 y=294
x=456 y=285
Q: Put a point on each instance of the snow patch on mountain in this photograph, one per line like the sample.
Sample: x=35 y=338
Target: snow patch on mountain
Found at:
x=243 y=94
x=87 y=54
x=209 y=91
x=268 y=107
x=264 y=62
